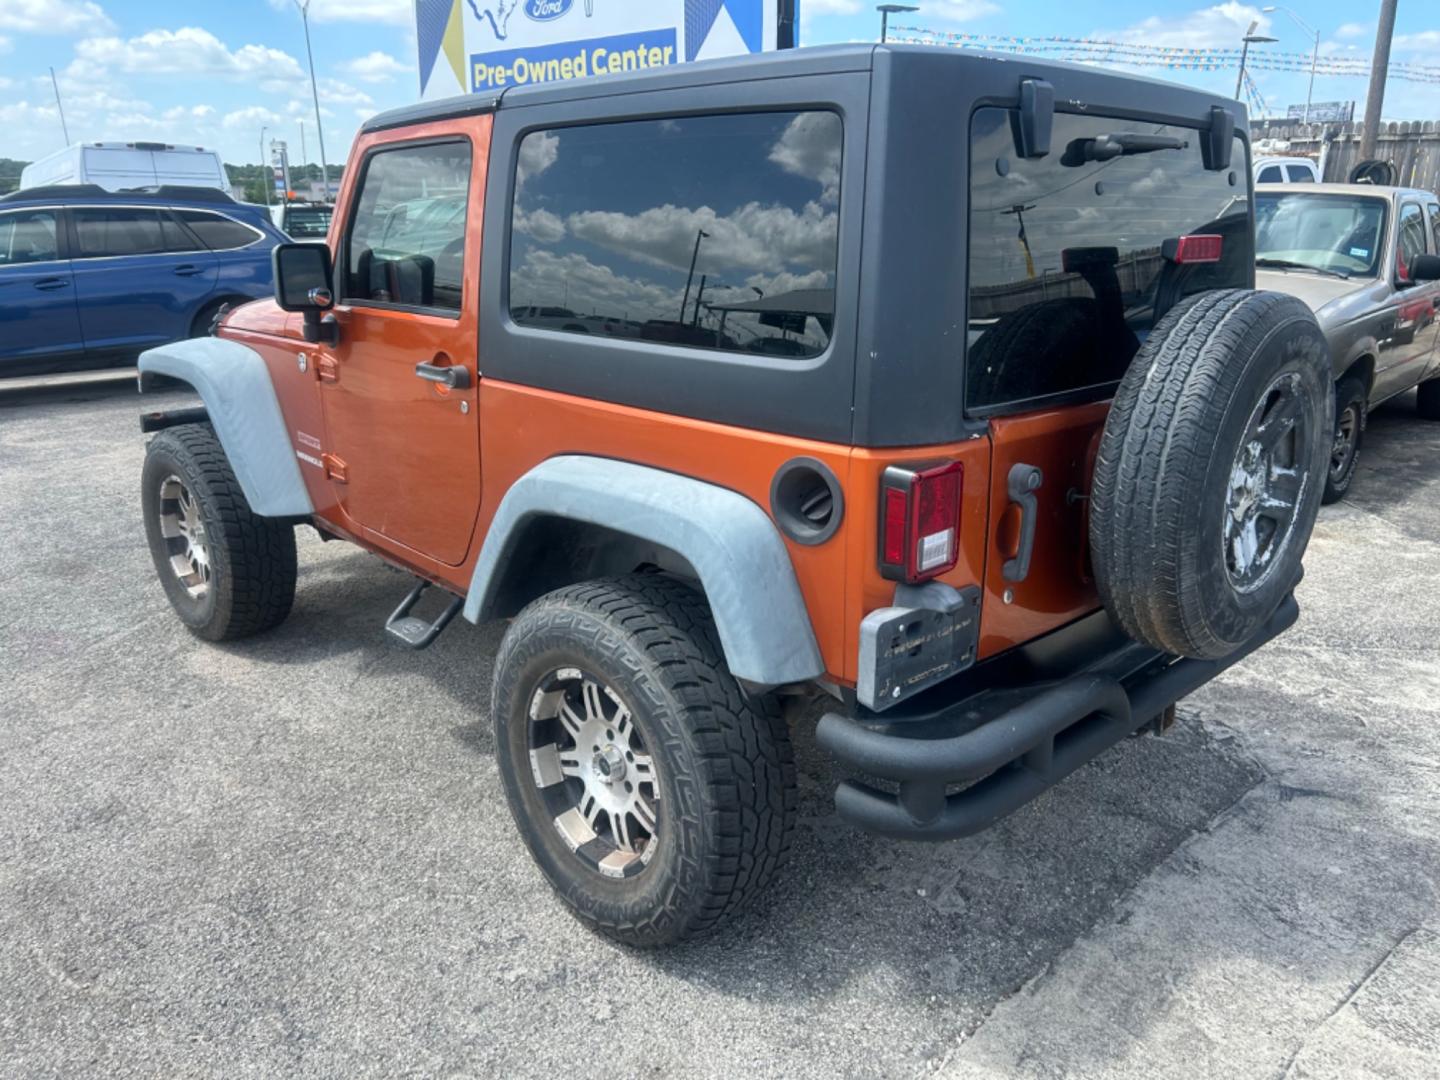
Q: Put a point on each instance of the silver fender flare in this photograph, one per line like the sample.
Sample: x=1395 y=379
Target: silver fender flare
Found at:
x=732 y=544
x=235 y=385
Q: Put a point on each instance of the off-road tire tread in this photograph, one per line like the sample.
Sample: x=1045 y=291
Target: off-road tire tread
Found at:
x=745 y=760
x=260 y=552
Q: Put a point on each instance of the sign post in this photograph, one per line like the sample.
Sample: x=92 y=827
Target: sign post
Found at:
x=481 y=46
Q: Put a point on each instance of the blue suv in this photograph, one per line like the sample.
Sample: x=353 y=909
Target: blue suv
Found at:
x=90 y=278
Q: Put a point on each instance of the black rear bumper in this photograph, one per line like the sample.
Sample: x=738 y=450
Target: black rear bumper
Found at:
x=1011 y=743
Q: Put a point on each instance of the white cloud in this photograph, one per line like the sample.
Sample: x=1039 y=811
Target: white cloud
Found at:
x=754 y=237
x=376 y=67
x=810 y=147
x=544 y=226
x=952 y=11
x=190 y=52
x=1222 y=25
x=255 y=116
x=4 y=44
x=398 y=12
x=54 y=17
x=1352 y=30
x=1426 y=40
x=342 y=93
x=810 y=8
x=537 y=153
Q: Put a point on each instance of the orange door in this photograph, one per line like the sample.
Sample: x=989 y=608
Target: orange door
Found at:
x=1021 y=603
x=400 y=387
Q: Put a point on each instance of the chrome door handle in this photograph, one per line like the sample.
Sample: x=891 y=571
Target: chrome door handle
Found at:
x=454 y=376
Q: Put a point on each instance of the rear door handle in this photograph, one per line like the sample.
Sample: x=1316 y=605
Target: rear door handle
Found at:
x=188 y=270
x=50 y=283
x=1022 y=484
x=454 y=376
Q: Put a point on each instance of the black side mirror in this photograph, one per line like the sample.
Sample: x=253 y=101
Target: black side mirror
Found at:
x=304 y=282
x=1425 y=268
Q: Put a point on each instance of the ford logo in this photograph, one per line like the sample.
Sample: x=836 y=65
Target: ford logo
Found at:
x=545 y=10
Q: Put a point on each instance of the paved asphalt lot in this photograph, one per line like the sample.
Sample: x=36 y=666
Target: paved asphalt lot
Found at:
x=291 y=856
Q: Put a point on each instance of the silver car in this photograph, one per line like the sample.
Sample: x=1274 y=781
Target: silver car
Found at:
x=1367 y=261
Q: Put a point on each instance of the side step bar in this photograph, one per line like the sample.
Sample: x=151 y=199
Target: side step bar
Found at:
x=414 y=632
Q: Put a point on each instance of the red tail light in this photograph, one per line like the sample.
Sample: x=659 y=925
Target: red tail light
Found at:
x=920 y=521
x=1197 y=248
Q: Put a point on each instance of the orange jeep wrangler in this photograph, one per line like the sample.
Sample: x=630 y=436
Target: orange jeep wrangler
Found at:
x=747 y=381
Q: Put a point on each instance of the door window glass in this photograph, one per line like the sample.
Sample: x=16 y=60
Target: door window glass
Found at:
x=28 y=236
x=217 y=232
x=1411 y=241
x=1072 y=255
x=177 y=237
x=108 y=233
x=1269 y=175
x=1300 y=174
x=406 y=242
x=716 y=232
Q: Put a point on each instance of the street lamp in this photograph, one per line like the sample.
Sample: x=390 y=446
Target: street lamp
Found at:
x=1250 y=38
x=1314 y=54
x=886 y=10
x=314 y=93
x=266 y=174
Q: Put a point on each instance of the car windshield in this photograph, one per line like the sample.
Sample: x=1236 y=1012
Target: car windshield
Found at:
x=1329 y=233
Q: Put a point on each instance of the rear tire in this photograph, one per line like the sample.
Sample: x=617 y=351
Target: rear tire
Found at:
x=1351 y=409
x=228 y=572
x=611 y=682
x=1210 y=471
x=1427 y=400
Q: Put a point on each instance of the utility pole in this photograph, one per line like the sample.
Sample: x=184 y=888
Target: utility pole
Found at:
x=315 y=93
x=63 y=127
x=267 y=173
x=1250 y=38
x=304 y=157
x=1379 y=69
x=700 y=234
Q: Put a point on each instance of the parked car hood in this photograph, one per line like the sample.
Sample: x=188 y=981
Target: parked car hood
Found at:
x=1334 y=300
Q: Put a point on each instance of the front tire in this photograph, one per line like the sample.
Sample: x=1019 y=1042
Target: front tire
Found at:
x=1350 y=412
x=228 y=572
x=655 y=796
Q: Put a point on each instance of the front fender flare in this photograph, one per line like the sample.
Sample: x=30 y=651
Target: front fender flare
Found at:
x=732 y=544
x=235 y=385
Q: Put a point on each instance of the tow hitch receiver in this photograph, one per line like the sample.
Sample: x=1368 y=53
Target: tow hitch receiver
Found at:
x=414 y=632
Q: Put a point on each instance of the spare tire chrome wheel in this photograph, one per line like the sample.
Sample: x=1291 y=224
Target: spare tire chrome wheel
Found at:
x=1210 y=471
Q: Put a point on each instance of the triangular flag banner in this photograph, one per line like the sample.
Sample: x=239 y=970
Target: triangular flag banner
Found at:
x=700 y=15
x=431 y=17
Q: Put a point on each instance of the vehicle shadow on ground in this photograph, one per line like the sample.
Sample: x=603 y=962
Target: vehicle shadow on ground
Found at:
x=1397 y=459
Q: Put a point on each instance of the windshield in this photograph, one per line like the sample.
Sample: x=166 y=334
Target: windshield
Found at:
x=1331 y=233
x=307 y=220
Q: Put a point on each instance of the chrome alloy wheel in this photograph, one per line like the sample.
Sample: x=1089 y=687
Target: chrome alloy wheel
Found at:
x=1342 y=450
x=183 y=530
x=594 y=773
x=1267 y=484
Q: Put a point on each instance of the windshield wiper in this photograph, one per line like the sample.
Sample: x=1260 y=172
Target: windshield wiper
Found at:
x=1286 y=264
x=1109 y=147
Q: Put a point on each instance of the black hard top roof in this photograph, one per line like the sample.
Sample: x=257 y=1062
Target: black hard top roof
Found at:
x=1074 y=82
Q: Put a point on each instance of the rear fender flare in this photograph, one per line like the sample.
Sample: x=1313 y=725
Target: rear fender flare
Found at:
x=235 y=385
x=733 y=546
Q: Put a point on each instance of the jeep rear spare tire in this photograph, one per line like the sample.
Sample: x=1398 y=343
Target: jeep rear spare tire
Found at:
x=1210 y=471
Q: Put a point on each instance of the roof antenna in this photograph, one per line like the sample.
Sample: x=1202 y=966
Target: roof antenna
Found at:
x=56 y=85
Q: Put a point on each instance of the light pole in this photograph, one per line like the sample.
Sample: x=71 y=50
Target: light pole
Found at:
x=315 y=93
x=886 y=10
x=267 y=174
x=1314 y=53
x=700 y=234
x=1250 y=38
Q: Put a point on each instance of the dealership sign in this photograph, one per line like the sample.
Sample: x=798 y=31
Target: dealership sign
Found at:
x=1323 y=112
x=476 y=46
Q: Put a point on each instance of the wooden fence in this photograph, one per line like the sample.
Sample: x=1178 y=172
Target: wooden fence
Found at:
x=1412 y=146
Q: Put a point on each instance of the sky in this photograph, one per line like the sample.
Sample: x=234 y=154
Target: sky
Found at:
x=214 y=72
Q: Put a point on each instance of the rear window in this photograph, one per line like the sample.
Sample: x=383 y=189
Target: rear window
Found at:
x=1300 y=174
x=716 y=232
x=1067 y=275
x=217 y=232
x=307 y=220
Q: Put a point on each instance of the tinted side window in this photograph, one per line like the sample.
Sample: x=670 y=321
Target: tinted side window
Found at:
x=716 y=232
x=28 y=236
x=406 y=243
x=105 y=233
x=178 y=237
x=1299 y=174
x=1434 y=210
x=1066 y=271
x=1269 y=175
x=217 y=232
x=1411 y=239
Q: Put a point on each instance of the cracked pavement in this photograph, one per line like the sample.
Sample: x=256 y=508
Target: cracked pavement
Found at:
x=291 y=856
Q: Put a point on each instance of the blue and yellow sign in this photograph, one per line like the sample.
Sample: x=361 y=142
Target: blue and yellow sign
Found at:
x=469 y=46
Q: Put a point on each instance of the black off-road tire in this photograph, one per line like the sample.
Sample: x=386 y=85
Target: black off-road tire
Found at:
x=1351 y=411
x=1427 y=400
x=251 y=559
x=1171 y=450
x=725 y=774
